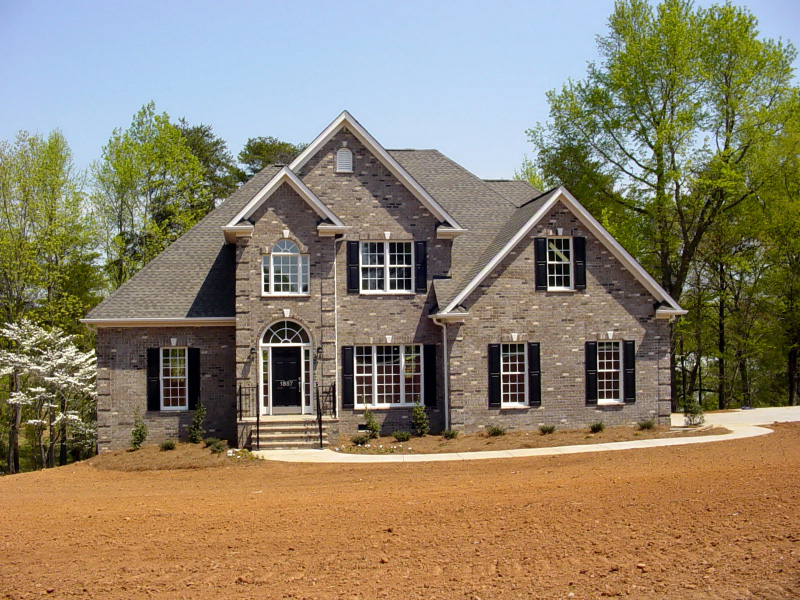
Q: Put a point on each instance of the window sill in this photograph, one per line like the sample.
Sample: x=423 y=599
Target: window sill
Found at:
x=510 y=405
x=392 y=293
x=562 y=290
x=382 y=406
x=610 y=403
x=173 y=409
x=285 y=295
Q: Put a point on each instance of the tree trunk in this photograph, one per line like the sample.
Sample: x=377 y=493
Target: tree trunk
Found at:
x=722 y=400
x=745 y=379
x=791 y=369
x=62 y=454
x=673 y=370
x=13 y=434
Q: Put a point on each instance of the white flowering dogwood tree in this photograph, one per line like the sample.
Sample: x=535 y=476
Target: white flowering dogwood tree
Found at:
x=54 y=391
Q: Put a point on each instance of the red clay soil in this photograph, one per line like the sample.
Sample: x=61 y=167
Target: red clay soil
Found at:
x=711 y=521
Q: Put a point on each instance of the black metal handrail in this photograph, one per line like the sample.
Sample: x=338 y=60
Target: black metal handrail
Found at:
x=325 y=403
x=248 y=408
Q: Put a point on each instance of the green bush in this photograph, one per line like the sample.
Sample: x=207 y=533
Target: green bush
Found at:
x=218 y=447
x=401 y=436
x=693 y=414
x=646 y=424
x=597 y=427
x=195 y=430
x=450 y=434
x=139 y=432
x=373 y=428
x=210 y=441
x=361 y=439
x=545 y=429
x=419 y=420
x=494 y=430
x=167 y=445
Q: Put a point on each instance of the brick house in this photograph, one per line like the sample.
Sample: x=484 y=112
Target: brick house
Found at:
x=359 y=277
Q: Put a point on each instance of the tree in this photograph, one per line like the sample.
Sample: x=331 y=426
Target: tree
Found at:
x=665 y=128
x=262 y=152
x=221 y=175
x=148 y=189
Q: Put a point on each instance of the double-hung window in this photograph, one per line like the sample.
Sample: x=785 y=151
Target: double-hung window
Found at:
x=512 y=374
x=559 y=263
x=285 y=270
x=388 y=376
x=609 y=372
x=387 y=267
x=174 y=379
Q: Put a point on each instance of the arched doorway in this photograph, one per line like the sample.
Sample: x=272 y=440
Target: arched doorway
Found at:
x=286 y=369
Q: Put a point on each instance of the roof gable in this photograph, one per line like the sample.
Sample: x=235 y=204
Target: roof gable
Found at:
x=346 y=120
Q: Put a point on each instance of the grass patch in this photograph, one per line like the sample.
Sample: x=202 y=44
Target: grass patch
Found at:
x=167 y=445
x=495 y=430
x=546 y=429
x=597 y=427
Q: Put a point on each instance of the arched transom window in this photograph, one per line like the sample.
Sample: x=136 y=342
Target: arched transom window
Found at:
x=285 y=270
x=286 y=332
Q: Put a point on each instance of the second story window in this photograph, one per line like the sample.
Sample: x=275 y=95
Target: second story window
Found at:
x=344 y=161
x=559 y=263
x=387 y=267
x=285 y=270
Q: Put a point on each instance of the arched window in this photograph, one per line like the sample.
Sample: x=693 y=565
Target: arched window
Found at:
x=286 y=332
x=285 y=270
x=344 y=161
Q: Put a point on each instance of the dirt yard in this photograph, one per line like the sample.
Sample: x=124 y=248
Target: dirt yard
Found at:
x=711 y=521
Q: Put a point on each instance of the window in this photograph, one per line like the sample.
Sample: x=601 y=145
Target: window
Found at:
x=388 y=376
x=609 y=372
x=344 y=161
x=174 y=380
x=387 y=267
x=285 y=271
x=559 y=263
x=512 y=374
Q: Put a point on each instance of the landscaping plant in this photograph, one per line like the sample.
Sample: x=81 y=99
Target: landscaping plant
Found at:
x=419 y=420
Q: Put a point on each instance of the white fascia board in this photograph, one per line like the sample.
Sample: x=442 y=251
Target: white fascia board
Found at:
x=328 y=230
x=285 y=175
x=668 y=313
x=346 y=119
x=162 y=322
x=444 y=317
x=600 y=232
x=232 y=232
x=448 y=233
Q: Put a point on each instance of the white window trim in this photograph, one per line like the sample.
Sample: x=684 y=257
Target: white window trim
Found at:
x=385 y=291
x=571 y=287
x=403 y=403
x=340 y=150
x=620 y=371
x=503 y=402
x=161 y=377
x=303 y=266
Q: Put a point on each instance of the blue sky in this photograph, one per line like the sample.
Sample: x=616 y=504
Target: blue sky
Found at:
x=467 y=78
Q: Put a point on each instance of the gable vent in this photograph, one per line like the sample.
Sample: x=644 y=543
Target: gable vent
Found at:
x=344 y=161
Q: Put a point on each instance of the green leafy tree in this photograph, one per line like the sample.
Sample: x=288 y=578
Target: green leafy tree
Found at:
x=148 y=189
x=260 y=152
x=221 y=175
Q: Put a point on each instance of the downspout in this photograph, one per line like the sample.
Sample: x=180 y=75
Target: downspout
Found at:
x=335 y=330
x=446 y=363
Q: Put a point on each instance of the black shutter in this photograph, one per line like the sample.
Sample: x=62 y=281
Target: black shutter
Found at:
x=420 y=267
x=153 y=379
x=348 y=377
x=352 y=267
x=534 y=375
x=591 y=373
x=494 y=375
x=194 y=377
x=579 y=254
x=429 y=369
x=540 y=255
x=629 y=366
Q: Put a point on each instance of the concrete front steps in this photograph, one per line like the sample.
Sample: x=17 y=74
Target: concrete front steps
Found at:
x=288 y=433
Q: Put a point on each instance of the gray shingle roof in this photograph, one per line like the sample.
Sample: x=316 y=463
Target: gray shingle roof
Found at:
x=194 y=277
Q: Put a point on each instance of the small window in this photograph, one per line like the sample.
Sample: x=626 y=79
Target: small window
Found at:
x=174 y=379
x=609 y=372
x=344 y=161
x=512 y=374
x=285 y=271
x=387 y=267
x=559 y=263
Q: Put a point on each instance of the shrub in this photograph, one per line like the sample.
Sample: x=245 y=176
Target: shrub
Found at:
x=494 y=430
x=450 y=434
x=419 y=420
x=693 y=414
x=597 y=427
x=139 y=432
x=401 y=436
x=361 y=439
x=646 y=424
x=167 y=445
x=195 y=430
x=210 y=441
x=373 y=428
x=545 y=429
x=218 y=447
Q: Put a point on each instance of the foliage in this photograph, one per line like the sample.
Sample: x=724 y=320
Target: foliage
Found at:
x=360 y=439
x=597 y=427
x=218 y=447
x=546 y=429
x=450 y=434
x=221 y=176
x=195 y=431
x=209 y=441
x=495 y=430
x=646 y=424
x=167 y=445
x=139 y=431
x=401 y=436
x=419 y=420
x=260 y=152
x=373 y=428
x=148 y=189
x=693 y=414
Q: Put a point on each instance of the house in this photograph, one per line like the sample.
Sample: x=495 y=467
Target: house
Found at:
x=360 y=277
